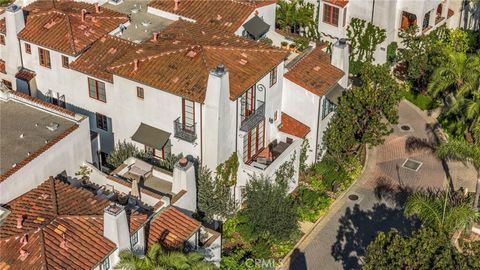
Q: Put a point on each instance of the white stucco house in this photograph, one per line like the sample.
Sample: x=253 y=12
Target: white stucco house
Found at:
x=197 y=85
x=334 y=16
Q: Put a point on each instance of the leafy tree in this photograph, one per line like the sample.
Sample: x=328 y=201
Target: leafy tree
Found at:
x=364 y=114
x=121 y=152
x=214 y=198
x=464 y=152
x=364 y=38
x=270 y=213
x=426 y=248
x=443 y=211
x=157 y=258
x=458 y=74
x=295 y=15
x=464 y=116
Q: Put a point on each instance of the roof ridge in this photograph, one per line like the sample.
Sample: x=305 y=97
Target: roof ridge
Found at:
x=42 y=246
x=272 y=49
x=54 y=197
x=70 y=30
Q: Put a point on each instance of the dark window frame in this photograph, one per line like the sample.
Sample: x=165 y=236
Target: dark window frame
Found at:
x=328 y=14
x=140 y=92
x=97 y=90
x=2 y=39
x=28 y=48
x=65 y=61
x=273 y=76
x=44 y=58
x=102 y=121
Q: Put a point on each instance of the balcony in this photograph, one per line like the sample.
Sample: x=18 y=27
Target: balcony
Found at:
x=184 y=131
x=250 y=121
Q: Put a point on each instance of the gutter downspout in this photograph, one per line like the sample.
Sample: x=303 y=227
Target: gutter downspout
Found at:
x=318 y=127
x=373 y=12
x=201 y=132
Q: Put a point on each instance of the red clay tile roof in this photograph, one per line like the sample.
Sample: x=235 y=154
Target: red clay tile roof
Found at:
x=340 y=3
x=315 y=73
x=94 y=61
x=52 y=212
x=171 y=228
x=226 y=14
x=3 y=28
x=42 y=103
x=293 y=127
x=26 y=75
x=58 y=25
x=180 y=61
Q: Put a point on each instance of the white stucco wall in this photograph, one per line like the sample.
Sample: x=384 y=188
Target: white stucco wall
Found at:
x=65 y=155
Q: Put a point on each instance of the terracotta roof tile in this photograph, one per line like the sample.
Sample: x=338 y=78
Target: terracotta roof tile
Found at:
x=3 y=28
x=226 y=14
x=54 y=212
x=106 y=50
x=180 y=61
x=58 y=25
x=293 y=127
x=172 y=228
x=26 y=75
x=315 y=73
x=340 y=3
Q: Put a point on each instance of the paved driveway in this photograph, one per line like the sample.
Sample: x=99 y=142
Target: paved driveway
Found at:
x=339 y=240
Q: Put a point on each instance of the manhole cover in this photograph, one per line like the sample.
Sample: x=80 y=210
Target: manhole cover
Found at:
x=353 y=197
x=405 y=128
x=412 y=164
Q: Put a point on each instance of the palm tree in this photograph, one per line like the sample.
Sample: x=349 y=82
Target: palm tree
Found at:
x=442 y=211
x=462 y=151
x=466 y=112
x=159 y=259
x=294 y=15
x=458 y=74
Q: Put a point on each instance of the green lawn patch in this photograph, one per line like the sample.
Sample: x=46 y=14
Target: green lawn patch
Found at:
x=421 y=101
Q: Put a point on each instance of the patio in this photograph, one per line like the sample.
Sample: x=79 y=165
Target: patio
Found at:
x=270 y=153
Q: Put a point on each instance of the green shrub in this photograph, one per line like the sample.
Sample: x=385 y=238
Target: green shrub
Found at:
x=310 y=204
x=329 y=173
x=421 y=101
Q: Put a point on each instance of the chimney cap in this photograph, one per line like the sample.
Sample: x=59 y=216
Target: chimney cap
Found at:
x=342 y=41
x=13 y=8
x=219 y=70
x=114 y=209
x=183 y=162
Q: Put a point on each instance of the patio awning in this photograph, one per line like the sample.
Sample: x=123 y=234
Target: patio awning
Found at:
x=256 y=27
x=150 y=136
x=335 y=93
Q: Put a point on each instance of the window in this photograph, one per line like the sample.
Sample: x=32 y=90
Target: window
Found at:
x=65 y=63
x=2 y=67
x=102 y=121
x=254 y=141
x=8 y=84
x=188 y=115
x=327 y=107
x=44 y=58
x=105 y=264
x=330 y=14
x=140 y=93
x=160 y=153
x=134 y=239
x=247 y=103
x=96 y=90
x=2 y=39
x=28 y=48
x=273 y=76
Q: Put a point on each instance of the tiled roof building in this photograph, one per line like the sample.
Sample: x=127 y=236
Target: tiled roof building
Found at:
x=56 y=226
x=67 y=26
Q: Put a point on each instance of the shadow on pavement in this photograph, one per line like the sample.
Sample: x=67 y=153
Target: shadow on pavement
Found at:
x=358 y=227
x=297 y=260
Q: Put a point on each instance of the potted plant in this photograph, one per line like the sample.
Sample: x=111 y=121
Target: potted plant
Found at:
x=293 y=47
x=84 y=173
x=284 y=44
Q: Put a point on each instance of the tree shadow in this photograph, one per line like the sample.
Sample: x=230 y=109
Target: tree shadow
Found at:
x=359 y=227
x=297 y=260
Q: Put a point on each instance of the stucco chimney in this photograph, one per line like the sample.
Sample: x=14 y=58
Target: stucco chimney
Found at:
x=115 y=226
x=84 y=13
x=340 y=59
x=14 y=23
x=97 y=8
x=184 y=179
x=177 y=4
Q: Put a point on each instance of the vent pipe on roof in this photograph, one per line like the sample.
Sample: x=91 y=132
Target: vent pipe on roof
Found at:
x=24 y=240
x=177 y=4
x=84 y=13
x=19 y=222
x=23 y=254
x=97 y=8
x=155 y=36
x=63 y=243
x=135 y=65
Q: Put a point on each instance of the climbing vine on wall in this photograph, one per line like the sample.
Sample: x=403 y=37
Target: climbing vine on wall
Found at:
x=364 y=38
x=227 y=171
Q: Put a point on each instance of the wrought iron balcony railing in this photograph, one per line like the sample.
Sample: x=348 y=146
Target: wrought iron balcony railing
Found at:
x=184 y=131
x=250 y=121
